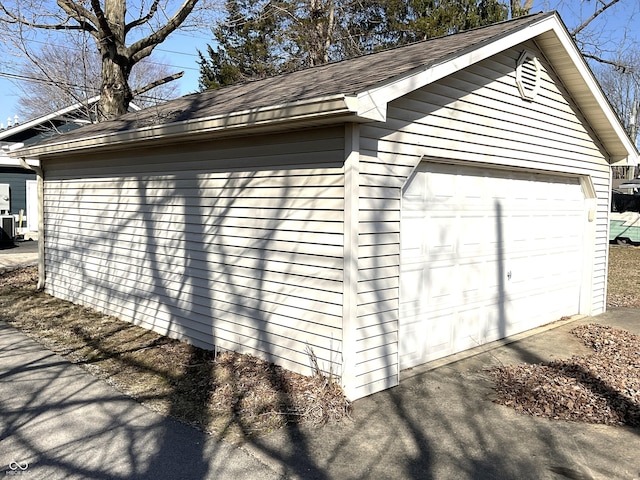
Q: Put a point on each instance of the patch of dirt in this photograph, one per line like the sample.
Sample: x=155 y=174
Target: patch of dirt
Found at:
x=230 y=395
x=624 y=276
x=603 y=387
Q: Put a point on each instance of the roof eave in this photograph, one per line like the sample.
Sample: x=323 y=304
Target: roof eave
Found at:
x=45 y=118
x=330 y=109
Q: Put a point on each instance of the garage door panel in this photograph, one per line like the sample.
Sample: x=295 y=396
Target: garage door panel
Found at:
x=490 y=253
x=467 y=330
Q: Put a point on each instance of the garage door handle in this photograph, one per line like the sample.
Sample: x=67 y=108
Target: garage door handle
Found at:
x=509 y=274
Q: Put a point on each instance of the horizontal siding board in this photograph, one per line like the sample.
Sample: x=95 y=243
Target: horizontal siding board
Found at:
x=306 y=291
x=454 y=144
x=377 y=296
x=373 y=365
x=378 y=284
x=376 y=376
x=220 y=244
x=170 y=231
x=496 y=128
x=294 y=177
x=201 y=267
x=317 y=148
x=366 y=274
x=172 y=204
x=132 y=166
x=385 y=382
x=287 y=351
x=192 y=224
x=217 y=308
x=366 y=228
x=196 y=194
x=214 y=214
x=377 y=325
x=377 y=353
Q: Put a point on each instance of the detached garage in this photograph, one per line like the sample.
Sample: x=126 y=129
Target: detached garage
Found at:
x=380 y=212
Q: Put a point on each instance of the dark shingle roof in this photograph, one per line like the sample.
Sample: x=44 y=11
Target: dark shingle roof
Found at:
x=346 y=77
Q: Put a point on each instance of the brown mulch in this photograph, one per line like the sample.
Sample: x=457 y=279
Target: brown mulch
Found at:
x=603 y=387
x=230 y=395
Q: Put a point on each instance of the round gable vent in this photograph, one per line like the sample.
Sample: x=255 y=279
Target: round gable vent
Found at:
x=528 y=75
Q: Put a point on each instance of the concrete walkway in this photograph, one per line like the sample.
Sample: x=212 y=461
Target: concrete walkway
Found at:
x=19 y=255
x=57 y=421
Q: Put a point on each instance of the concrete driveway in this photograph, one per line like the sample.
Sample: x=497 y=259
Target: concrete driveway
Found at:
x=441 y=423
x=21 y=254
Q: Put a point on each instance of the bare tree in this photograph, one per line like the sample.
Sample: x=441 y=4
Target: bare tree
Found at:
x=621 y=85
x=110 y=23
x=60 y=76
x=602 y=29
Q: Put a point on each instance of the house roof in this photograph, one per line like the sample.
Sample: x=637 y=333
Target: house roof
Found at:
x=357 y=89
x=26 y=132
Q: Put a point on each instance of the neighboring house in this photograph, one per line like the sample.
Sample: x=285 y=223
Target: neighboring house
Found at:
x=380 y=212
x=22 y=182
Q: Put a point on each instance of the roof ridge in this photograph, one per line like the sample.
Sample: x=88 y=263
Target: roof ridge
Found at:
x=332 y=64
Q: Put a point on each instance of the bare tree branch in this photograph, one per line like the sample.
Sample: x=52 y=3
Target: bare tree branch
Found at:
x=145 y=46
x=142 y=20
x=157 y=83
x=101 y=20
x=78 y=13
x=63 y=25
x=619 y=65
x=584 y=24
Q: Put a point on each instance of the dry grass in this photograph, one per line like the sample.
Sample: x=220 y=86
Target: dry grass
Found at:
x=624 y=276
x=229 y=395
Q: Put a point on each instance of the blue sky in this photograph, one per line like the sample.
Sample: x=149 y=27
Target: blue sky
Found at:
x=180 y=49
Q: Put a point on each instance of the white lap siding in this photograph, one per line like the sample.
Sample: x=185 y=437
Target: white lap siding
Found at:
x=236 y=244
x=475 y=115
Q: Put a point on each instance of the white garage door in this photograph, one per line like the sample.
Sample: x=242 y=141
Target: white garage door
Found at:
x=485 y=254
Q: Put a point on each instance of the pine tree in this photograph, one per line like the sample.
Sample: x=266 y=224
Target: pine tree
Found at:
x=262 y=38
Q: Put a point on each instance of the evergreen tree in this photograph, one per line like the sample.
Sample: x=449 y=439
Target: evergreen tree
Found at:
x=248 y=45
x=261 y=37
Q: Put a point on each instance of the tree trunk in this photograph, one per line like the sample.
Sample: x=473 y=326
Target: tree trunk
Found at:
x=322 y=15
x=115 y=94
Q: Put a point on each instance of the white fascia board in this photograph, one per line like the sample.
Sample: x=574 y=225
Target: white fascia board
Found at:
x=7 y=161
x=373 y=102
x=316 y=108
